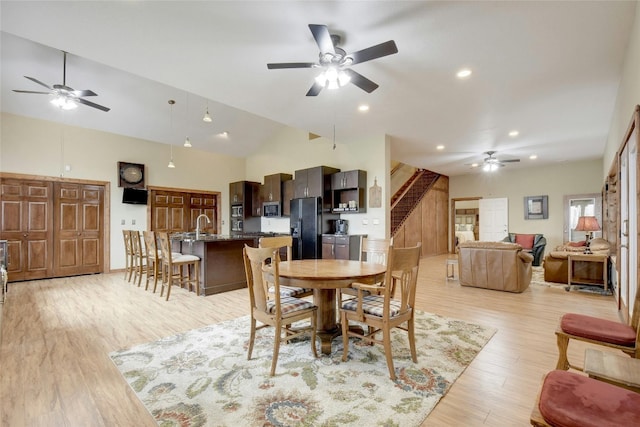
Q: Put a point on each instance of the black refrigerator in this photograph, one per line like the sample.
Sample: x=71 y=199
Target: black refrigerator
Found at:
x=308 y=222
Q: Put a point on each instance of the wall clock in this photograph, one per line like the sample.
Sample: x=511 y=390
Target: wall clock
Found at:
x=130 y=175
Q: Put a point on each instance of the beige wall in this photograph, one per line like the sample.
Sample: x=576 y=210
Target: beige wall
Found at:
x=628 y=95
x=554 y=181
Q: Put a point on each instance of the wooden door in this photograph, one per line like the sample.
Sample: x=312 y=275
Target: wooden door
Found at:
x=26 y=218
x=203 y=204
x=169 y=211
x=78 y=232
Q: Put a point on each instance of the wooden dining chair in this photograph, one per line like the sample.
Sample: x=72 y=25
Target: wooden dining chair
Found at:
x=261 y=267
x=128 y=253
x=380 y=311
x=598 y=331
x=372 y=251
x=181 y=269
x=284 y=242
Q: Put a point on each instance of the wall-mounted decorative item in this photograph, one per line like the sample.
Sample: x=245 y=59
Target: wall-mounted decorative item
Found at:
x=536 y=207
x=130 y=175
x=375 y=195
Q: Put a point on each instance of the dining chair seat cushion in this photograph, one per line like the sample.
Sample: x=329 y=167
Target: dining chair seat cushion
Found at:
x=290 y=291
x=568 y=399
x=372 y=304
x=180 y=258
x=289 y=305
x=598 y=329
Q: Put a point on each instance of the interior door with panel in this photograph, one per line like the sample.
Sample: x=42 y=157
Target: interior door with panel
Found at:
x=494 y=223
x=78 y=233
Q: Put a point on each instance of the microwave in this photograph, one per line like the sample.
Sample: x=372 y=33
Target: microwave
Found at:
x=236 y=211
x=271 y=209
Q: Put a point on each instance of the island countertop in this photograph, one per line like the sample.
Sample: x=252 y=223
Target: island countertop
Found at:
x=221 y=264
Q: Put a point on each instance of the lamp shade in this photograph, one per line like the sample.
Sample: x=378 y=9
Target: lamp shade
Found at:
x=587 y=223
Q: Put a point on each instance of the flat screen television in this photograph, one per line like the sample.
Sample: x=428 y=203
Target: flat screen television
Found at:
x=134 y=196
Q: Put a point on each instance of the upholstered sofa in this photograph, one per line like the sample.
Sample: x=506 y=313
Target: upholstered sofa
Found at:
x=532 y=243
x=494 y=265
x=556 y=263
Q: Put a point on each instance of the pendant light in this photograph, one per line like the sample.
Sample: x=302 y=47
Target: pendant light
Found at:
x=207 y=117
x=171 y=102
x=187 y=142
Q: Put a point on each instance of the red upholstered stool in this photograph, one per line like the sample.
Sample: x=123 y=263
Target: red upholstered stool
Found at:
x=593 y=330
x=568 y=399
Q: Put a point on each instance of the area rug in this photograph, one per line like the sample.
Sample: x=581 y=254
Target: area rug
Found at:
x=537 y=278
x=202 y=377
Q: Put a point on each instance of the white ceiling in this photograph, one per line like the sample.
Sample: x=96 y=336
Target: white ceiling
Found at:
x=548 y=69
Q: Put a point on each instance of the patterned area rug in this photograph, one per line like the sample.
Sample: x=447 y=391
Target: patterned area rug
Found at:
x=202 y=377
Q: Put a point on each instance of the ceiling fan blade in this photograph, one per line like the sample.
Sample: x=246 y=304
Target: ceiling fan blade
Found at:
x=290 y=65
x=80 y=93
x=91 y=104
x=31 y=91
x=315 y=89
x=361 y=81
x=509 y=161
x=323 y=38
x=373 y=52
x=38 y=81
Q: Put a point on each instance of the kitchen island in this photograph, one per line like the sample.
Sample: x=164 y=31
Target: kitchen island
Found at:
x=221 y=264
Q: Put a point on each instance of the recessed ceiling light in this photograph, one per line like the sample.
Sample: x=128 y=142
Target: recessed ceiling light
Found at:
x=363 y=108
x=533 y=156
x=440 y=147
x=464 y=73
x=224 y=134
x=514 y=133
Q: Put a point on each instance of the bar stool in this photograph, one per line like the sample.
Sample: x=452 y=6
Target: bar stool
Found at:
x=154 y=259
x=172 y=261
x=139 y=257
x=128 y=252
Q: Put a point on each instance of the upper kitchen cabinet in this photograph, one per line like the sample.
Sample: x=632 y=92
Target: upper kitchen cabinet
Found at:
x=272 y=188
x=349 y=180
x=314 y=182
x=287 y=195
x=244 y=201
x=348 y=190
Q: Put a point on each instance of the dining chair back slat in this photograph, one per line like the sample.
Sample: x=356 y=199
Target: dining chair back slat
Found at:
x=128 y=253
x=285 y=242
x=153 y=259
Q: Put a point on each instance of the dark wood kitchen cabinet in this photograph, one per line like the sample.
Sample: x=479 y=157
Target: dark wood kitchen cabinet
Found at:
x=340 y=246
x=271 y=191
x=245 y=208
x=314 y=182
x=346 y=187
x=287 y=195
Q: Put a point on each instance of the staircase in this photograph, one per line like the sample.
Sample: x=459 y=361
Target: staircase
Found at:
x=409 y=195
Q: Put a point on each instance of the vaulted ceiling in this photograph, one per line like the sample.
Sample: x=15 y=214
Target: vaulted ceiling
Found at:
x=549 y=70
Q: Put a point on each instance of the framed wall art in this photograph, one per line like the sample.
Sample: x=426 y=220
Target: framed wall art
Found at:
x=536 y=207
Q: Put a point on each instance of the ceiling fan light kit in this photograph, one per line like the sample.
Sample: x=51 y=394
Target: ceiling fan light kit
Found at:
x=64 y=97
x=336 y=63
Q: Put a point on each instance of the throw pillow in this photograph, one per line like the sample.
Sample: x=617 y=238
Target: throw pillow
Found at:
x=525 y=240
x=577 y=244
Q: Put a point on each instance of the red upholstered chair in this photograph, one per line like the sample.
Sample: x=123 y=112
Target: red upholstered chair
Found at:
x=598 y=331
x=568 y=399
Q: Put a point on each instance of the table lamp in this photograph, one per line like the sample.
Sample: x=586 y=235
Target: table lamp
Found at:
x=588 y=224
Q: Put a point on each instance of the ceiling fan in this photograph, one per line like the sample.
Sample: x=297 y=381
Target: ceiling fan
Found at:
x=491 y=163
x=64 y=96
x=336 y=63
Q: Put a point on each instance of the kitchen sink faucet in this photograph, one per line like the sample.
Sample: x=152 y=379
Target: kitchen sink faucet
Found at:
x=198 y=224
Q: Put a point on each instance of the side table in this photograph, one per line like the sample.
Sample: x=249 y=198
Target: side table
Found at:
x=573 y=257
x=623 y=371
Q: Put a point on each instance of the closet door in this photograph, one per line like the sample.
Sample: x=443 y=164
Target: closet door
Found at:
x=26 y=218
x=78 y=229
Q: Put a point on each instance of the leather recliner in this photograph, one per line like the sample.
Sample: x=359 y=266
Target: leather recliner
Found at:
x=494 y=265
x=539 y=243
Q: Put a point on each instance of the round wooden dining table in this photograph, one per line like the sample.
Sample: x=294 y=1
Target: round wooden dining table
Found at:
x=325 y=276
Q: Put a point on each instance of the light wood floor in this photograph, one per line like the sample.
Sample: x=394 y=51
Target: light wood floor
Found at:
x=56 y=336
